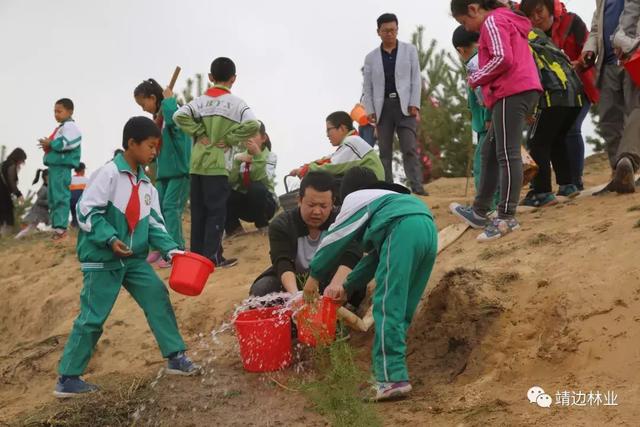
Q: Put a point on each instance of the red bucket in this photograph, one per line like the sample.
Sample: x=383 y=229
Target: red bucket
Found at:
x=317 y=323
x=264 y=335
x=189 y=273
x=633 y=67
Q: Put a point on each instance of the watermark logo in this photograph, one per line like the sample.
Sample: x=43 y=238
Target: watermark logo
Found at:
x=568 y=398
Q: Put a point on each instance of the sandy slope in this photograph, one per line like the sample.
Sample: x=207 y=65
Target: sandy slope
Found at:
x=555 y=305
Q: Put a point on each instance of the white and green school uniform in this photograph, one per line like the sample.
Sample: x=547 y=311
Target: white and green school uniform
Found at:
x=352 y=152
x=118 y=204
x=398 y=233
x=61 y=158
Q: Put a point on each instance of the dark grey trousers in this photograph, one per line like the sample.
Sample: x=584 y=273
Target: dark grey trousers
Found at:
x=619 y=110
x=393 y=121
x=501 y=158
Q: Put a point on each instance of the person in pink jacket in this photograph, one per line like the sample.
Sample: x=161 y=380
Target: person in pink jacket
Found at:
x=511 y=87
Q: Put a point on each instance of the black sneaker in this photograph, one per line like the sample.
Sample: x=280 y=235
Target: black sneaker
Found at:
x=227 y=263
x=420 y=191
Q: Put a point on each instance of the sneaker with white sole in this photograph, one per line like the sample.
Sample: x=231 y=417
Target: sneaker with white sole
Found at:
x=181 y=364
x=498 y=228
x=72 y=386
x=383 y=391
x=468 y=215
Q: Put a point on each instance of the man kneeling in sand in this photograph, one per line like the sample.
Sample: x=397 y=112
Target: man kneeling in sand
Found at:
x=294 y=237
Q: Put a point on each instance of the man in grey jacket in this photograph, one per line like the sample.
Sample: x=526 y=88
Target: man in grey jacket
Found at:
x=615 y=29
x=392 y=86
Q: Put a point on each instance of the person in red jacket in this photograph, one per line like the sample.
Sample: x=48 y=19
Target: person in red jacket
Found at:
x=569 y=33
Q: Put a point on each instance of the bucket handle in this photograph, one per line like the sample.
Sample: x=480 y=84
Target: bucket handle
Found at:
x=286 y=186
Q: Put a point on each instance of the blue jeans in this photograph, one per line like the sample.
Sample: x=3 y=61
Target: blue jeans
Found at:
x=367 y=133
x=575 y=147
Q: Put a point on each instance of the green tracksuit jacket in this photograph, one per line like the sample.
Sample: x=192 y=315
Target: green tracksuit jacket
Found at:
x=221 y=117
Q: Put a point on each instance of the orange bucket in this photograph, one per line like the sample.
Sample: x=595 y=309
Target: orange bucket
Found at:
x=359 y=114
x=633 y=67
x=317 y=322
x=264 y=335
x=190 y=273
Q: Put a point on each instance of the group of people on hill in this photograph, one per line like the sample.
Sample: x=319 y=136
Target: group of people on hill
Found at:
x=536 y=66
x=352 y=224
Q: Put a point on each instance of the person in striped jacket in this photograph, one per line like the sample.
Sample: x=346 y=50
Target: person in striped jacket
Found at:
x=398 y=233
x=119 y=218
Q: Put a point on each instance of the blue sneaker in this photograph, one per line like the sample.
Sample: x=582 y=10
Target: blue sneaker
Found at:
x=468 y=215
x=72 y=386
x=180 y=364
x=498 y=228
x=539 y=200
x=569 y=190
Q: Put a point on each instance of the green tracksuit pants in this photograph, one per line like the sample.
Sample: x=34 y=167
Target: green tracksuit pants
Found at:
x=173 y=194
x=98 y=295
x=406 y=259
x=59 y=196
x=477 y=167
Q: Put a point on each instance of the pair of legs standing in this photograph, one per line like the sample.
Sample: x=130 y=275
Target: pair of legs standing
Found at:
x=209 y=195
x=173 y=194
x=393 y=121
x=59 y=197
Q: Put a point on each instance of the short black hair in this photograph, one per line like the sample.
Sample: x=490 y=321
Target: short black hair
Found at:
x=385 y=18
x=80 y=167
x=139 y=128
x=319 y=181
x=340 y=118
x=149 y=88
x=117 y=151
x=464 y=38
x=355 y=179
x=66 y=103
x=528 y=6
x=222 y=69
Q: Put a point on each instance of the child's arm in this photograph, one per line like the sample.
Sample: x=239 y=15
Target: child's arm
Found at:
x=92 y=206
x=263 y=168
x=169 y=107
x=189 y=120
x=158 y=236
x=241 y=132
x=69 y=138
x=342 y=234
x=364 y=272
x=500 y=52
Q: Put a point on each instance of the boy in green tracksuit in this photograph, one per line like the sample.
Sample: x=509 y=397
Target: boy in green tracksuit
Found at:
x=399 y=235
x=218 y=122
x=119 y=217
x=172 y=171
x=62 y=154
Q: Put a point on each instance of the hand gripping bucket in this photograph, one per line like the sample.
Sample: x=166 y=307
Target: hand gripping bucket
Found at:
x=316 y=323
x=190 y=273
x=264 y=335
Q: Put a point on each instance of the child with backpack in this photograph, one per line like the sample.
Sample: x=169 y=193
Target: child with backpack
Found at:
x=510 y=88
x=39 y=212
x=555 y=116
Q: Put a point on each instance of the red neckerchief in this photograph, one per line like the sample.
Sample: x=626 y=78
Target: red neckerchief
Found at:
x=132 y=213
x=246 y=175
x=217 y=91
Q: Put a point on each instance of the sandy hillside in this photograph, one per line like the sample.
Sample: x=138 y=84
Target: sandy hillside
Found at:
x=554 y=305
